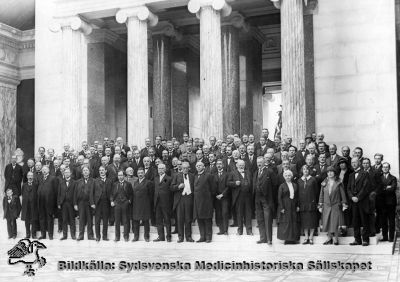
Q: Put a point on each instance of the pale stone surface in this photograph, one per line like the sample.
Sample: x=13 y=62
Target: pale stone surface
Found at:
x=162 y=85
x=8 y=121
x=180 y=98
x=138 y=116
x=210 y=73
x=193 y=81
x=355 y=76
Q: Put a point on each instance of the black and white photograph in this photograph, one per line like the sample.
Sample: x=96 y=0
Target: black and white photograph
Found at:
x=199 y=140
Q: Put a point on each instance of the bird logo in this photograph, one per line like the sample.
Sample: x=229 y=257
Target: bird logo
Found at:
x=27 y=252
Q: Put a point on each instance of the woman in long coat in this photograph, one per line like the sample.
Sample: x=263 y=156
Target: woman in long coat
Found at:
x=288 y=208
x=332 y=200
x=344 y=174
x=308 y=202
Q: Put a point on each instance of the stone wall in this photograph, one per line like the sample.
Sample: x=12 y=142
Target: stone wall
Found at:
x=355 y=76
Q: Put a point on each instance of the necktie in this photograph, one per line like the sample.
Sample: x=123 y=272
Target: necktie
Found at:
x=259 y=173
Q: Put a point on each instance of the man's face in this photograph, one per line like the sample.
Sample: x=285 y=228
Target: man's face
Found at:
x=117 y=159
x=67 y=173
x=30 y=163
x=120 y=176
x=292 y=152
x=282 y=146
x=320 y=137
x=211 y=158
x=84 y=146
x=245 y=138
x=146 y=162
x=51 y=153
x=185 y=137
x=355 y=163
x=176 y=145
x=199 y=167
x=140 y=173
x=66 y=148
x=346 y=151
x=136 y=154
x=260 y=163
x=80 y=160
x=129 y=171
x=357 y=153
x=147 y=142
x=199 y=155
x=165 y=155
x=13 y=160
x=41 y=151
x=158 y=140
x=108 y=152
x=85 y=172
x=220 y=165
x=309 y=160
x=302 y=144
x=250 y=150
x=223 y=147
x=67 y=162
x=285 y=164
x=251 y=138
x=229 y=151
x=332 y=150
x=129 y=155
x=104 y=161
x=185 y=168
x=99 y=149
x=366 y=164
x=322 y=159
x=161 y=169
x=213 y=141
x=151 y=152
x=378 y=160
x=262 y=141
x=385 y=168
x=242 y=149
x=117 y=150
x=29 y=176
x=102 y=172
x=170 y=146
x=311 y=148
x=265 y=133
x=321 y=148
x=240 y=166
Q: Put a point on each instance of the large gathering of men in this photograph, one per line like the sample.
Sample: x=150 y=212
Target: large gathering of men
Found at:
x=170 y=184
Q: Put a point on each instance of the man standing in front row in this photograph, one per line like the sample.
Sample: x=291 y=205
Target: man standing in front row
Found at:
x=65 y=202
x=182 y=186
x=204 y=193
x=47 y=202
x=120 y=199
x=84 y=187
x=358 y=189
x=264 y=201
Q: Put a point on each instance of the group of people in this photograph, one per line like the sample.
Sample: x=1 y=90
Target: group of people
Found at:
x=172 y=183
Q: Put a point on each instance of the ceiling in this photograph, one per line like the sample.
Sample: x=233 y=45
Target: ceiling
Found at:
x=18 y=13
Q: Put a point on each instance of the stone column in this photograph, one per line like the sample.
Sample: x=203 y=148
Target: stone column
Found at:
x=137 y=20
x=230 y=74
x=295 y=111
x=162 y=52
x=74 y=54
x=210 y=12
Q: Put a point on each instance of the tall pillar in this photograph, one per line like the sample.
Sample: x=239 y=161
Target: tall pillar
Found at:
x=210 y=12
x=74 y=64
x=162 y=37
x=295 y=111
x=137 y=20
x=230 y=74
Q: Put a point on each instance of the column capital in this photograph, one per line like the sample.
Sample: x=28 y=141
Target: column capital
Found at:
x=141 y=12
x=75 y=22
x=194 y=6
x=309 y=5
x=237 y=20
x=167 y=29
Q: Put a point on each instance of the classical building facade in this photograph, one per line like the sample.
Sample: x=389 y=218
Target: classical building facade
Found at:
x=92 y=68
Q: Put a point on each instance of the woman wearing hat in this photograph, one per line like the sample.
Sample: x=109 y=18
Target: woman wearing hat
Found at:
x=308 y=202
x=332 y=203
x=288 y=208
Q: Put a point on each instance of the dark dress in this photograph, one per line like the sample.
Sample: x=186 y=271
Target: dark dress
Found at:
x=288 y=222
x=308 y=201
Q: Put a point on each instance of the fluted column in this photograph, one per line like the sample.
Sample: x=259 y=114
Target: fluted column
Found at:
x=74 y=111
x=230 y=73
x=294 y=107
x=137 y=20
x=210 y=12
x=162 y=37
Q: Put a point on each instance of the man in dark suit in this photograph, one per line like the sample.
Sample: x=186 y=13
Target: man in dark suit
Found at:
x=114 y=168
x=251 y=159
x=29 y=167
x=387 y=201
x=268 y=142
x=145 y=151
x=65 y=203
x=158 y=147
x=212 y=168
x=47 y=202
x=227 y=159
x=13 y=175
x=302 y=152
x=120 y=199
x=124 y=148
x=100 y=201
x=136 y=162
x=222 y=199
x=29 y=212
x=358 y=189
x=142 y=198
x=83 y=189
x=240 y=183
x=182 y=186
x=333 y=158
x=262 y=148
x=162 y=203
x=204 y=192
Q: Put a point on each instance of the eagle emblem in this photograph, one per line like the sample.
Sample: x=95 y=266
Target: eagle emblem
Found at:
x=27 y=252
